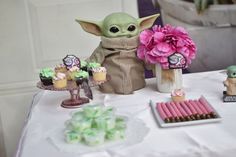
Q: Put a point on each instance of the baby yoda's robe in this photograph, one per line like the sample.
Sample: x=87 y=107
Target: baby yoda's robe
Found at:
x=118 y=55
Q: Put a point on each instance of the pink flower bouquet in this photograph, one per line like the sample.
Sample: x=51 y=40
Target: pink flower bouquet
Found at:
x=160 y=43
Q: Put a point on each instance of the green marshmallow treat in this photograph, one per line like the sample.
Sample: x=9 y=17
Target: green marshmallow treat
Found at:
x=115 y=134
x=72 y=137
x=94 y=137
x=93 y=125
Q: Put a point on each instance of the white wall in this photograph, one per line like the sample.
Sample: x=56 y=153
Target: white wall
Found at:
x=35 y=34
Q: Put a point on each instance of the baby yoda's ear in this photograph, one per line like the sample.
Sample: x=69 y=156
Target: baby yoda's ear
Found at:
x=90 y=26
x=147 y=22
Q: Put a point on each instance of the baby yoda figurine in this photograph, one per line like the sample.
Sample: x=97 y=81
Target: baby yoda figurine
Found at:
x=117 y=50
x=230 y=83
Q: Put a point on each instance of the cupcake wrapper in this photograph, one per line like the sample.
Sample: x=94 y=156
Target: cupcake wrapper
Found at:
x=46 y=81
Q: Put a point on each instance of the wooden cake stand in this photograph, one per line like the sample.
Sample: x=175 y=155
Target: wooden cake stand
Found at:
x=75 y=100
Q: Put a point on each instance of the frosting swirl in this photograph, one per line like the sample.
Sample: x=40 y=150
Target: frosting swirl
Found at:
x=74 y=68
x=178 y=92
x=59 y=76
x=99 y=69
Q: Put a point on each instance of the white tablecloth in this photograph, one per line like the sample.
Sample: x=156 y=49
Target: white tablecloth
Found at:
x=208 y=140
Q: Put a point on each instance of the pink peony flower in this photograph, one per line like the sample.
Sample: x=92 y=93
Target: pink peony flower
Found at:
x=157 y=44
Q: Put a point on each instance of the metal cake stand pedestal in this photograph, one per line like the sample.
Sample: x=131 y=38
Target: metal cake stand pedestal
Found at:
x=75 y=99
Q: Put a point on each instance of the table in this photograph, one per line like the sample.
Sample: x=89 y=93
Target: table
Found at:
x=208 y=140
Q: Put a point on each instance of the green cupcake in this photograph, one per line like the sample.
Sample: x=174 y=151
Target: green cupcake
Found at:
x=92 y=65
x=81 y=76
x=46 y=75
x=83 y=65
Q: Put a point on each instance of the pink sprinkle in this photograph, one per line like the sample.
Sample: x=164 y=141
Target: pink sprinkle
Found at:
x=205 y=105
x=191 y=107
x=181 y=109
x=199 y=111
x=176 y=109
x=201 y=107
x=166 y=110
x=186 y=108
x=171 y=109
x=160 y=111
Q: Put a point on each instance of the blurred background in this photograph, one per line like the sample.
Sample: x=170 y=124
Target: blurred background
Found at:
x=39 y=33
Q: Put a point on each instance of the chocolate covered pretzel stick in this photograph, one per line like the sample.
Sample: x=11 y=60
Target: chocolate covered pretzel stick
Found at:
x=199 y=111
x=163 y=115
x=166 y=110
x=207 y=107
x=188 y=111
x=182 y=111
x=193 y=110
x=203 y=109
x=172 y=111
x=181 y=117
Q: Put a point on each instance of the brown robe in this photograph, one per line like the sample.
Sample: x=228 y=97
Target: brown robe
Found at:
x=230 y=83
x=119 y=57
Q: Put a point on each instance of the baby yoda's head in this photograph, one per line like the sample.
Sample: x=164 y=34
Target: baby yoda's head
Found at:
x=231 y=71
x=118 y=25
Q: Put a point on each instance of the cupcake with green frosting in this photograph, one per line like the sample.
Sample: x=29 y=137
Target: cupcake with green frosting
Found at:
x=46 y=75
x=81 y=76
x=92 y=65
x=83 y=65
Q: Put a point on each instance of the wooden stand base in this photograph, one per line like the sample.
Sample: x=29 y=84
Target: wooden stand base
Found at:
x=228 y=98
x=74 y=103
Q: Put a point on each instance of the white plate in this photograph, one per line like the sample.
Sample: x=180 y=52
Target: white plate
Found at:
x=176 y=124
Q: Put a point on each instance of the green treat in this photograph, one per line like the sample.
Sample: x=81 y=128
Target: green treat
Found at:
x=81 y=74
x=93 y=137
x=108 y=111
x=120 y=123
x=231 y=71
x=83 y=63
x=78 y=116
x=105 y=123
x=93 y=65
x=72 y=137
x=115 y=134
x=47 y=72
x=81 y=125
x=93 y=111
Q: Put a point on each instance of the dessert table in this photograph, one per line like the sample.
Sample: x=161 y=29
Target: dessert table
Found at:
x=205 y=140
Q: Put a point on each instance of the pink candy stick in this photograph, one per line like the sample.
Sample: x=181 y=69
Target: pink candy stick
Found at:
x=205 y=105
x=181 y=109
x=176 y=109
x=199 y=111
x=161 y=112
x=166 y=110
x=191 y=107
x=186 y=108
x=201 y=107
x=172 y=111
